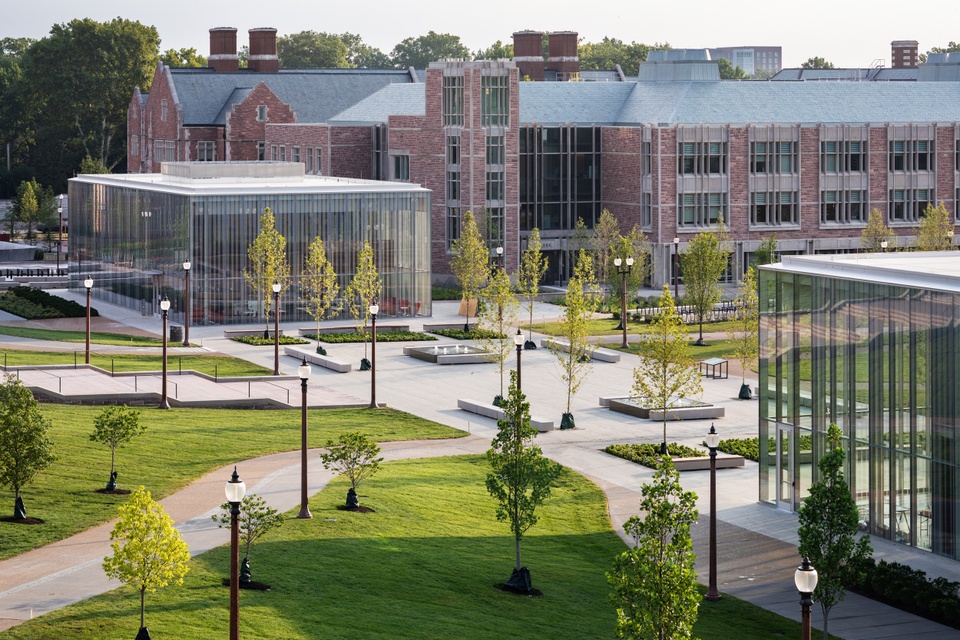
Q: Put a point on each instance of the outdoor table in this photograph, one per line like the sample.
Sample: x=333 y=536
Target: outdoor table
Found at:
x=715 y=368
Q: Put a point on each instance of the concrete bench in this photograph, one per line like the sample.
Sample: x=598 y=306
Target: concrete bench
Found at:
x=492 y=411
x=597 y=353
x=724 y=461
x=321 y=361
x=237 y=333
x=381 y=326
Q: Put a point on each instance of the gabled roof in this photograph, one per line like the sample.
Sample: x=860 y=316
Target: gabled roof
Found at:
x=392 y=100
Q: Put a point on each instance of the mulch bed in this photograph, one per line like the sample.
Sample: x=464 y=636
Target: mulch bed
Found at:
x=253 y=585
x=536 y=593
x=360 y=509
x=21 y=520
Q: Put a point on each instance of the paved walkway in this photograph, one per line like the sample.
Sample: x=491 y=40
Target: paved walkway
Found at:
x=757 y=543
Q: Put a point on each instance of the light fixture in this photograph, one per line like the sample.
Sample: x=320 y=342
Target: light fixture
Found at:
x=165 y=304
x=88 y=283
x=276 y=287
x=518 y=339
x=374 y=309
x=805 y=577
x=186 y=265
x=617 y=262
x=713 y=438
x=304 y=371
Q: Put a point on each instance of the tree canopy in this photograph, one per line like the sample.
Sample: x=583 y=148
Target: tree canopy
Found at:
x=188 y=58
x=25 y=449
x=876 y=233
x=310 y=49
x=609 y=52
x=816 y=63
x=730 y=72
x=936 y=229
x=419 y=52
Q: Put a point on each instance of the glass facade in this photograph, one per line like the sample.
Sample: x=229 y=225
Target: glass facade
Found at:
x=133 y=232
x=840 y=341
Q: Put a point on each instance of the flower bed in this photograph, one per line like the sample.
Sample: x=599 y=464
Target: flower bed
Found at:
x=649 y=454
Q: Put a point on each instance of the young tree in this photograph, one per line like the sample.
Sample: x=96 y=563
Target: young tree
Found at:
x=355 y=456
x=25 y=449
x=362 y=291
x=703 y=264
x=148 y=552
x=766 y=253
x=115 y=426
x=936 y=229
x=256 y=519
x=575 y=361
x=655 y=584
x=27 y=205
x=318 y=285
x=666 y=374
x=828 y=528
x=634 y=245
x=605 y=238
x=470 y=263
x=746 y=328
x=533 y=266
x=499 y=313
x=876 y=233
x=520 y=478
x=267 y=257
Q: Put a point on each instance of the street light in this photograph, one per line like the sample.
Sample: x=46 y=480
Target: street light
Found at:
x=883 y=246
x=806 y=580
x=624 y=271
x=186 y=302
x=304 y=372
x=374 y=310
x=713 y=439
x=500 y=257
x=88 y=283
x=518 y=341
x=235 y=490
x=276 y=328
x=165 y=309
x=676 y=268
x=59 y=231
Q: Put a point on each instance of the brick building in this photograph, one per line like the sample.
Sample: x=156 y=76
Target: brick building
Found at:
x=671 y=150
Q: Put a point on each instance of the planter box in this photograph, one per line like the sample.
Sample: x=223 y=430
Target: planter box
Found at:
x=321 y=361
x=621 y=405
x=495 y=412
x=599 y=353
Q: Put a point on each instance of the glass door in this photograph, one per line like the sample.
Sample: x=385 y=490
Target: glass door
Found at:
x=785 y=467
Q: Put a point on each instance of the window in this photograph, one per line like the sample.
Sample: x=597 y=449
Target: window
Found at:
x=700 y=209
x=318 y=166
x=647 y=167
x=453 y=186
x=842 y=157
x=702 y=157
x=308 y=156
x=134 y=145
x=401 y=168
x=261 y=151
x=274 y=153
x=494 y=186
x=759 y=159
x=453 y=101
x=206 y=151
x=646 y=210
x=778 y=208
x=453 y=150
x=163 y=110
x=773 y=157
x=911 y=155
x=494 y=102
x=262 y=113
x=164 y=151
x=843 y=207
x=907 y=205
x=495 y=150
x=453 y=225
x=295 y=154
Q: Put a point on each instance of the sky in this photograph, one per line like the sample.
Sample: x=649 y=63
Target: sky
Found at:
x=847 y=33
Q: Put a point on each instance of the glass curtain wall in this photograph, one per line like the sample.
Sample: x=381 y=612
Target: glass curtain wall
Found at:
x=882 y=362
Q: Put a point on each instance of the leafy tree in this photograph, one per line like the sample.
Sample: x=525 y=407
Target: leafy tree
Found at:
x=309 y=49
x=828 y=528
x=27 y=205
x=362 y=55
x=746 y=327
x=15 y=111
x=470 y=261
x=419 y=52
x=728 y=71
x=654 y=582
x=362 y=291
x=533 y=266
x=636 y=246
x=952 y=47
x=605 y=237
x=877 y=232
x=703 y=264
x=267 y=258
x=666 y=374
x=184 y=58
x=580 y=304
x=354 y=456
x=25 y=449
x=520 y=476
x=116 y=426
x=148 y=552
x=762 y=74
x=498 y=314
x=92 y=166
x=319 y=286
x=496 y=51
x=766 y=253
x=255 y=520
x=936 y=230
x=816 y=63
x=610 y=52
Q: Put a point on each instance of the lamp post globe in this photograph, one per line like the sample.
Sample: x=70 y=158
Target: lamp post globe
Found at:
x=805 y=579
x=235 y=489
x=165 y=309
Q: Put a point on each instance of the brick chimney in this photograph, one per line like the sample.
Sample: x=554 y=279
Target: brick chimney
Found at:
x=904 y=54
x=223 y=49
x=263 y=50
x=562 y=56
x=528 y=54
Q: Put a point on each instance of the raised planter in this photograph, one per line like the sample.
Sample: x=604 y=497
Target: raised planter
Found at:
x=237 y=333
x=698 y=411
x=381 y=326
x=598 y=353
x=450 y=354
x=321 y=361
x=492 y=411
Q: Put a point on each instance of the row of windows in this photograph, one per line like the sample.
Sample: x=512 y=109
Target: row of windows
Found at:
x=702 y=157
x=311 y=157
x=164 y=151
x=773 y=157
x=495 y=101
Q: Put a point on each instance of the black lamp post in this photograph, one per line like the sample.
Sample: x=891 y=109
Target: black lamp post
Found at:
x=806 y=580
x=374 y=310
x=676 y=268
x=186 y=303
x=713 y=439
x=59 y=230
x=304 y=372
x=88 y=283
x=624 y=271
x=276 y=328
x=235 y=490
x=165 y=309
x=518 y=341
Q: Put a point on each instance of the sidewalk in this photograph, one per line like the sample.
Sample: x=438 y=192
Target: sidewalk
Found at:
x=756 y=543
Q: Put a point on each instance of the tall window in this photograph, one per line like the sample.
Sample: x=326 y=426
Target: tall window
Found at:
x=495 y=150
x=701 y=157
x=776 y=208
x=453 y=187
x=700 y=209
x=453 y=225
x=453 y=101
x=295 y=154
x=911 y=155
x=308 y=157
x=262 y=113
x=206 y=151
x=843 y=156
x=907 y=205
x=401 y=168
x=646 y=210
x=773 y=157
x=843 y=207
x=453 y=150
x=495 y=101
x=495 y=192
x=163 y=110
x=261 y=151
x=318 y=167
x=134 y=145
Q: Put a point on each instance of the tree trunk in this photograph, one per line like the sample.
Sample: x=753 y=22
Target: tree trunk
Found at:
x=143 y=590
x=518 y=553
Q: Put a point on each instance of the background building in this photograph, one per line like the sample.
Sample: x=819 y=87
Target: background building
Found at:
x=769 y=60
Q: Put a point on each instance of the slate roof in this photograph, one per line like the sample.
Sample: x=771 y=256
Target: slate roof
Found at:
x=392 y=100
x=872 y=74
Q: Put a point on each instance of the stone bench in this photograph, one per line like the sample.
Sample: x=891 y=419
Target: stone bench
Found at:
x=724 y=461
x=321 y=361
x=598 y=353
x=492 y=411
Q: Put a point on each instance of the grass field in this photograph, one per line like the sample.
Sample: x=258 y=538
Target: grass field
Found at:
x=81 y=336
x=209 y=363
x=179 y=446
x=422 y=566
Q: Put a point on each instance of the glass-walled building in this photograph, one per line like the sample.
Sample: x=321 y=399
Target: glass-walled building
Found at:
x=132 y=233
x=872 y=343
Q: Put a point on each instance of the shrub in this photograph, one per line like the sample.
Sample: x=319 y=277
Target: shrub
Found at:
x=25 y=309
x=475 y=333
x=909 y=589
x=382 y=336
x=259 y=341
x=446 y=293
x=649 y=454
x=66 y=308
x=38 y=254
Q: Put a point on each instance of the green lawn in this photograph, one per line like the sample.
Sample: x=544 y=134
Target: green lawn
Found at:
x=80 y=336
x=422 y=566
x=179 y=446
x=211 y=364
x=608 y=327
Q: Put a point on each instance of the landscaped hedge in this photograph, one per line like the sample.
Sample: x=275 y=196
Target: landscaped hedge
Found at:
x=446 y=293
x=475 y=333
x=649 y=454
x=382 y=336
x=900 y=586
x=25 y=309
x=40 y=298
x=260 y=341
x=749 y=448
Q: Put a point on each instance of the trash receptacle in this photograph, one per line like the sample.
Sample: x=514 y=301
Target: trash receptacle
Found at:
x=176 y=333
